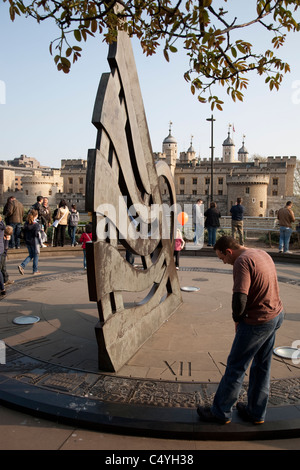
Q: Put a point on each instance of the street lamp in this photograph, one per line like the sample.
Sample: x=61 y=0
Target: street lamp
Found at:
x=211 y=119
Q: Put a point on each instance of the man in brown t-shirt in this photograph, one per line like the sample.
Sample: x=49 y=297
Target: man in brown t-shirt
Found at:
x=258 y=313
x=285 y=217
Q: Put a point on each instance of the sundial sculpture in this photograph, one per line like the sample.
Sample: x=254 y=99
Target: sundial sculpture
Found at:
x=121 y=191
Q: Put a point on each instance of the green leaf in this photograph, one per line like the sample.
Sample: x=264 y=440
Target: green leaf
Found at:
x=77 y=35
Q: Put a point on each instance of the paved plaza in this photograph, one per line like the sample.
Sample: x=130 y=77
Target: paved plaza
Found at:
x=52 y=364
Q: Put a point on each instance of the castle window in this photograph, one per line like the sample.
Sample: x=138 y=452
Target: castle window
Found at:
x=220 y=180
x=274 y=193
x=80 y=180
x=70 y=180
x=181 y=181
x=247 y=190
x=194 y=192
x=261 y=203
x=194 y=180
x=220 y=192
x=182 y=191
x=207 y=180
x=275 y=181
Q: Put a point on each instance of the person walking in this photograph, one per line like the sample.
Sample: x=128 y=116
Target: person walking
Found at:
x=32 y=240
x=73 y=221
x=14 y=213
x=286 y=217
x=62 y=217
x=237 y=222
x=257 y=311
x=212 y=222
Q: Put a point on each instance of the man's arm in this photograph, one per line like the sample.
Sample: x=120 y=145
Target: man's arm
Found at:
x=239 y=302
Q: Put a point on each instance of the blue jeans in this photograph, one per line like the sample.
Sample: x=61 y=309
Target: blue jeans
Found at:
x=212 y=232
x=284 y=238
x=32 y=255
x=15 y=236
x=251 y=342
x=72 y=233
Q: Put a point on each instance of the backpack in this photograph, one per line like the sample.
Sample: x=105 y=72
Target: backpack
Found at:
x=73 y=219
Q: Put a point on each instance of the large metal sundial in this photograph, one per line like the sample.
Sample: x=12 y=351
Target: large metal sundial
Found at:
x=123 y=194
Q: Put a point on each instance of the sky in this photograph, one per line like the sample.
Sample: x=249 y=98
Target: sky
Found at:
x=46 y=114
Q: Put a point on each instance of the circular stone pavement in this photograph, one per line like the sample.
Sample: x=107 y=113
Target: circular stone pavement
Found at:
x=51 y=370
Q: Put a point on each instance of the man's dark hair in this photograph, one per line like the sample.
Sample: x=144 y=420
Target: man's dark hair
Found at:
x=226 y=242
x=39 y=198
x=239 y=200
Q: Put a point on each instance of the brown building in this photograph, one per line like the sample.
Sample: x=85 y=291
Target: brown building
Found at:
x=264 y=186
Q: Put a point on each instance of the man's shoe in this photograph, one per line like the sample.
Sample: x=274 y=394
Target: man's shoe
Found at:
x=36 y=273
x=288 y=252
x=280 y=251
x=245 y=415
x=21 y=270
x=205 y=414
x=7 y=283
x=3 y=293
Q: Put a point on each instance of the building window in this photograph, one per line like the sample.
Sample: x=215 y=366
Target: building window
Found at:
x=70 y=180
x=247 y=190
x=181 y=181
x=194 y=192
x=207 y=180
x=220 y=192
x=50 y=192
x=182 y=191
x=274 y=193
x=220 y=180
x=261 y=203
x=275 y=181
x=80 y=180
x=194 y=180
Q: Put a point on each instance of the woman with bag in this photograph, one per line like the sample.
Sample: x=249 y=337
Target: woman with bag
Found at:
x=61 y=222
x=32 y=238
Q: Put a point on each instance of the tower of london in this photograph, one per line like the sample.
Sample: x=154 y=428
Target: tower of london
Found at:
x=264 y=186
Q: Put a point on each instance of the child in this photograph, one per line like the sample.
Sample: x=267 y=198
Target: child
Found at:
x=72 y=224
x=86 y=237
x=178 y=245
x=7 y=235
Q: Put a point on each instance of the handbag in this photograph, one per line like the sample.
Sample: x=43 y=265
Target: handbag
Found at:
x=56 y=222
